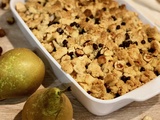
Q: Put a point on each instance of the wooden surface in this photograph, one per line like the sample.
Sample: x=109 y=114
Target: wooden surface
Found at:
x=11 y=109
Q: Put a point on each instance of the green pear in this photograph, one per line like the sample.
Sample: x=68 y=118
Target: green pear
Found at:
x=48 y=104
x=21 y=73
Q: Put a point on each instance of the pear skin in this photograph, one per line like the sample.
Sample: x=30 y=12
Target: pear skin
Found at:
x=48 y=104
x=21 y=73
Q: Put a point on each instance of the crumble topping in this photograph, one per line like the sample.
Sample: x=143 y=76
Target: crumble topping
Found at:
x=102 y=45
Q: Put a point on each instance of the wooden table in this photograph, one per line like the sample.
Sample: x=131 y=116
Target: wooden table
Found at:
x=11 y=109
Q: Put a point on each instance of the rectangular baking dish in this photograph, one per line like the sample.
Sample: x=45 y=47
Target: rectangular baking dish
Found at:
x=94 y=105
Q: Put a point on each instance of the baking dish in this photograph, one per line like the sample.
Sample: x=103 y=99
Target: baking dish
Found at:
x=94 y=105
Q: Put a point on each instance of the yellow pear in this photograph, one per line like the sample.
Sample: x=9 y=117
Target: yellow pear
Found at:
x=48 y=104
x=21 y=73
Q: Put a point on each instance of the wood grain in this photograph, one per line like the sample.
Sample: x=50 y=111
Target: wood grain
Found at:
x=11 y=109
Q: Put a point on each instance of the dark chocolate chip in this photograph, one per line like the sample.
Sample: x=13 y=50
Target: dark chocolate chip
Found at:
x=89 y=92
x=143 y=41
x=118 y=27
x=117 y=95
x=125 y=78
x=82 y=31
x=142 y=69
x=156 y=73
x=87 y=19
x=151 y=50
x=97 y=21
x=71 y=54
x=77 y=17
x=108 y=90
x=60 y=31
x=91 y=16
x=114 y=18
x=127 y=36
x=108 y=30
x=65 y=42
x=150 y=39
x=74 y=24
x=128 y=64
x=100 y=77
x=135 y=43
x=123 y=23
x=100 y=45
x=95 y=46
x=65 y=9
x=104 y=8
x=141 y=51
x=98 y=54
x=125 y=44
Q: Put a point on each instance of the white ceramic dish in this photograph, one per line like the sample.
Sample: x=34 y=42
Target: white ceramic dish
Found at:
x=95 y=106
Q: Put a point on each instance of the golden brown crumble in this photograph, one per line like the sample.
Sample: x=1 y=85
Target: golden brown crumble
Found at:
x=102 y=45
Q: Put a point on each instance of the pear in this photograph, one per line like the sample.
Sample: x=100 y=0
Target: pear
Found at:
x=21 y=73
x=47 y=104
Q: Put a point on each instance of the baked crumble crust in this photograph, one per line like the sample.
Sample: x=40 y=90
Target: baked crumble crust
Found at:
x=102 y=45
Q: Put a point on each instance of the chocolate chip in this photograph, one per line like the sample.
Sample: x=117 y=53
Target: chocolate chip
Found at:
x=125 y=44
x=142 y=69
x=135 y=42
x=127 y=36
x=114 y=18
x=151 y=50
x=2 y=32
x=71 y=54
x=91 y=16
x=97 y=21
x=60 y=31
x=156 y=73
x=143 y=41
x=150 y=39
x=100 y=45
x=141 y=51
x=108 y=90
x=87 y=19
x=123 y=23
x=65 y=42
x=108 y=30
x=125 y=78
x=117 y=95
x=95 y=46
x=89 y=92
x=53 y=22
x=100 y=77
x=104 y=8
x=65 y=9
x=128 y=64
x=82 y=31
x=77 y=17
x=98 y=54
x=74 y=24
x=118 y=27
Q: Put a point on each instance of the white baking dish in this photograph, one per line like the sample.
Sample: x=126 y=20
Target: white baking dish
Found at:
x=95 y=106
